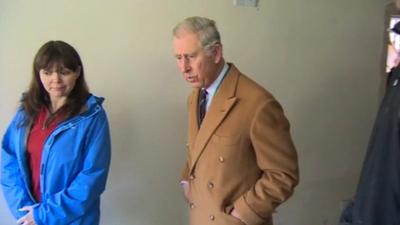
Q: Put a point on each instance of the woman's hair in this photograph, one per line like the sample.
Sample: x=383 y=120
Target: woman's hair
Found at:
x=55 y=54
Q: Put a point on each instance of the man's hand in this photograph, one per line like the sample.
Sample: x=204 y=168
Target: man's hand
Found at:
x=185 y=187
x=28 y=218
x=235 y=214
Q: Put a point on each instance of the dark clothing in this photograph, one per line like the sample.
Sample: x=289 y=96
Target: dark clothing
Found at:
x=377 y=200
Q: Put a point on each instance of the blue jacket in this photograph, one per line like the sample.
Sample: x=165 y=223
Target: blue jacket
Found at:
x=75 y=163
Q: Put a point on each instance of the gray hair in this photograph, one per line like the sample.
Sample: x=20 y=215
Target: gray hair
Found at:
x=205 y=29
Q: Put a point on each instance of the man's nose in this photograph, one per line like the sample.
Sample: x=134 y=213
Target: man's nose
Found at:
x=184 y=65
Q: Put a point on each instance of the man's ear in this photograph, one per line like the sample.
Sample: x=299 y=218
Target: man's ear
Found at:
x=218 y=53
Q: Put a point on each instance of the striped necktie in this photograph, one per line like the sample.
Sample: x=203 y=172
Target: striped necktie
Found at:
x=202 y=105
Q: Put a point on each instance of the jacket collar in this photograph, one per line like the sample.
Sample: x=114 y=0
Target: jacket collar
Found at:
x=93 y=106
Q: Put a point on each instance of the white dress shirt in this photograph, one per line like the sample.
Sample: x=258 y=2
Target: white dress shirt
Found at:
x=213 y=88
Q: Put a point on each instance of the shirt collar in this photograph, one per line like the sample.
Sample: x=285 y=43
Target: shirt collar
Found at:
x=214 y=86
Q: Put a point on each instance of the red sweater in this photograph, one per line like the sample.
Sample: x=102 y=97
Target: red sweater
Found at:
x=37 y=137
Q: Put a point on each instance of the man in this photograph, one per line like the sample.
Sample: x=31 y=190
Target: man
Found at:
x=241 y=162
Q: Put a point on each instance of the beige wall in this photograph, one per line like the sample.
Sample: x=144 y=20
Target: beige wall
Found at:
x=319 y=58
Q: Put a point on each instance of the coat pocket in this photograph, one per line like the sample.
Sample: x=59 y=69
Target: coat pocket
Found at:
x=226 y=140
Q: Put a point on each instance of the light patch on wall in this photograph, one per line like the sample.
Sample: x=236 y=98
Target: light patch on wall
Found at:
x=248 y=3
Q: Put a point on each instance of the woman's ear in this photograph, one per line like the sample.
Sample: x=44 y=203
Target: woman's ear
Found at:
x=78 y=71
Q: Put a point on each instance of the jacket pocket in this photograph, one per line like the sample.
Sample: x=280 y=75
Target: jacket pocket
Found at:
x=226 y=140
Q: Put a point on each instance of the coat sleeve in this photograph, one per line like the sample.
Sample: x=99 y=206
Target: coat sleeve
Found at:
x=86 y=188
x=277 y=160
x=185 y=170
x=14 y=187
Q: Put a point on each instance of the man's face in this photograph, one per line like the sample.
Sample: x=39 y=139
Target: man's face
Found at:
x=199 y=69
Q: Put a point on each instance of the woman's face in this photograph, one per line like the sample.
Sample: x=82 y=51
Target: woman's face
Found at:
x=58 y=81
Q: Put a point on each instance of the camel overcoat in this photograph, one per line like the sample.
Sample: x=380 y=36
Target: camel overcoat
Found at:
x=241 y=156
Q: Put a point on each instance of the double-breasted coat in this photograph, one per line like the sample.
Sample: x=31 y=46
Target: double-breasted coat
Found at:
x=241 y=156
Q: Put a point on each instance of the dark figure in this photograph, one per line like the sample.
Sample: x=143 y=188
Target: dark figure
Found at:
x=377 y=200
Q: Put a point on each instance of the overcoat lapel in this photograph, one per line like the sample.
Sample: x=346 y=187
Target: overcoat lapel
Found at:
x=222 y=103
x=193 y=105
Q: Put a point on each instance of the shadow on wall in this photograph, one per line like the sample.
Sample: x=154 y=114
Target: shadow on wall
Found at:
x=146 y=163
x=338 y=113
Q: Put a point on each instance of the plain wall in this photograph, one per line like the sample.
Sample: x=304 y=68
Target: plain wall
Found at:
x=321 y=60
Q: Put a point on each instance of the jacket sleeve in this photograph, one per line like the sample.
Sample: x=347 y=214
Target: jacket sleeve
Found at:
x=13 y=186
x=86 y=188
x=277 y=159
x=185 y=170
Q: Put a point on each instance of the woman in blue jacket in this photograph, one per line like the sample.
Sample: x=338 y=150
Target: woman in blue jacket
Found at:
x=56 y=151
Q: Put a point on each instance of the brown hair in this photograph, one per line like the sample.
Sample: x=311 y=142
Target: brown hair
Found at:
x=59 y=54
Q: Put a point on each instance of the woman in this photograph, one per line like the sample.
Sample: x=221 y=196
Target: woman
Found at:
x=56 y=151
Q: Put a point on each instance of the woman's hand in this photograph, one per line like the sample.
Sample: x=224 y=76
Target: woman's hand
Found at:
x=28 y=218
